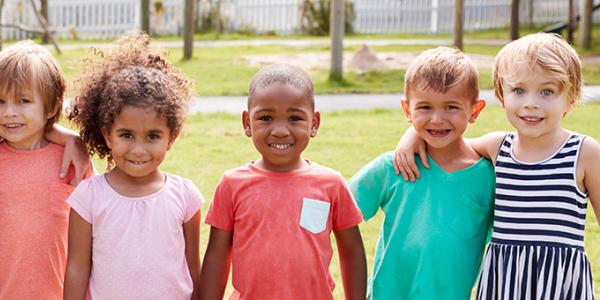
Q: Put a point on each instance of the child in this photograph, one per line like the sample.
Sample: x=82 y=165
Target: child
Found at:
x=33 y=210
x=134 y=231
x=432 y=239
x=544 y=175
x=273 y=217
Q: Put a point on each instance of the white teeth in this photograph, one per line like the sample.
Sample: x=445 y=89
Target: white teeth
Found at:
x=531 y=119
x=12 y=125
x=280 y=146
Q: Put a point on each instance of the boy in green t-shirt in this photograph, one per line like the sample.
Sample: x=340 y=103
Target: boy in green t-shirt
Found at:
x=435 y=229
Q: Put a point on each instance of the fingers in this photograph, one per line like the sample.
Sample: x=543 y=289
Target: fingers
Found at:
x=64 y=166
x=423 y=156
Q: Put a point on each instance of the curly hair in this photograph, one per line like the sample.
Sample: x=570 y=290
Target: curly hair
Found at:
x=281 y=74
x=130 y=75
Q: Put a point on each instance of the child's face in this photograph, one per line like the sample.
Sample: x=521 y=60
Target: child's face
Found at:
x=138 y=141
x=280 y=121
x=23 y=119
x=534 y=101
x=441 y=118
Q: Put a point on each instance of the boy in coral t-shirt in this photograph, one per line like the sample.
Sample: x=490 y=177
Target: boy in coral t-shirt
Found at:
x=272 y=218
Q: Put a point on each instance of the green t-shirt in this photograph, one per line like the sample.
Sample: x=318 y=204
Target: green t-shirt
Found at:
x=434 y=232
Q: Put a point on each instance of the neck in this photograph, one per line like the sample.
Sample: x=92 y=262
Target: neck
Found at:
x=537 y=148
x=135 y=186
x=29 y=145
x=455 y=156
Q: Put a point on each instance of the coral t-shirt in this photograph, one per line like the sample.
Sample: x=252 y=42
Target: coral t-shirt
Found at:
x=281 y=225
x=34 y=220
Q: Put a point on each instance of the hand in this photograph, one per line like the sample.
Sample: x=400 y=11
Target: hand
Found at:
x=404 y=155
x=75 y=154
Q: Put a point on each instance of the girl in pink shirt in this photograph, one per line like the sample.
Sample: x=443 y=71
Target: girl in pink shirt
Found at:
x=133 y=231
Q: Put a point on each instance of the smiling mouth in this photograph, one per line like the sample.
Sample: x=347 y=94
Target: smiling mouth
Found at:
x=280 y=146
x=438 y=132
x=13 y=126
x=138 y=163
x=530 y=119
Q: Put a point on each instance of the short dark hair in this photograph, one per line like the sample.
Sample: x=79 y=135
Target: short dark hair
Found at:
x=282 y=74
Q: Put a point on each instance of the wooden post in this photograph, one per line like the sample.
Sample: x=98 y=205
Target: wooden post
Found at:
x=145 y=13
x=1 y=29
x=586 y=24
x=44 y=12
x=530 y=13
x=458 y=24
x=188 y=29
x=336 y=32
x=571 y=22
x=514 y=20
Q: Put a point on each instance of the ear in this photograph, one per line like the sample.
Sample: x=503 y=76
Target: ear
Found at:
x=172 y=137
x=107 y=139
x=246 y=123
x=53 y=112
x=406 y=108
x=476 y=108
x=316 y=122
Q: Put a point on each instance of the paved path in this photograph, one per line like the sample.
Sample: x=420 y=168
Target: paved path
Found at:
x=326 y=103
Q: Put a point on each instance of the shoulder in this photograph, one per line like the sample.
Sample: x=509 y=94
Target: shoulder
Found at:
x=590 y=151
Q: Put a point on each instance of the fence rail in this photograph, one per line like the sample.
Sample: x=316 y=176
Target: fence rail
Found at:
x=110 y=18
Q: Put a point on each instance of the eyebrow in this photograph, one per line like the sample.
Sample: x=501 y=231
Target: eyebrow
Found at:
x=121 y=130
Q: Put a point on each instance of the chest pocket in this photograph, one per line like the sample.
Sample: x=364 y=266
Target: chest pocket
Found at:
x=471 y=220
x=314 y=215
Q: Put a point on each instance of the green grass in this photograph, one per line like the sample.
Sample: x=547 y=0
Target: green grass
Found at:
x=211 y=144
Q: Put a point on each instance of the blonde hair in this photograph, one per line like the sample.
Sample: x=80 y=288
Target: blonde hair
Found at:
x=550 y=52
x=27 y=65
x=440 y=69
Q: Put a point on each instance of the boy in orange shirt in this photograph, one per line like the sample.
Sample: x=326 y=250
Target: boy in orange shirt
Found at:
x=273 y=217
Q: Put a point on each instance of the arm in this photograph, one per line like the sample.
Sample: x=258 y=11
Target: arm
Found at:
x=191 y=233
x=79 y=260
x=589 y=160
x=353 y=263
x=488 y=144
x=215 y=268
x=75 y=153
x=404 y=155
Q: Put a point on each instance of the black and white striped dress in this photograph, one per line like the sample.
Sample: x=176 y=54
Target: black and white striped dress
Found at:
x=537 y=249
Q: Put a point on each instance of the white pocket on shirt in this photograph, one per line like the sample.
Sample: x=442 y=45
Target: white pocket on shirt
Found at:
x=314 y=215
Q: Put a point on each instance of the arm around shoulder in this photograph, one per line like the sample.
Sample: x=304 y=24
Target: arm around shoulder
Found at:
x=590 y=161
x=217 y=261
x=353 y=263
x=487 y=145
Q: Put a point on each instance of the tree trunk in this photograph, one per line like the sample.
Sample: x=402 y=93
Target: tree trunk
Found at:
x=188 y=29
x=145 y=13
x=336 y=33
x=44 y=12
x=571 y=23
x=530 y=13
x=586 y=24
x=1 y=29
x=514 y=20
x=458 y=24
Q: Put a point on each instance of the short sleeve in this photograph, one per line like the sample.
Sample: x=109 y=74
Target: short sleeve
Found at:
x=80 y=199
x=369 y=185
x=194 y=200
x=346 y=214
x=220 y=213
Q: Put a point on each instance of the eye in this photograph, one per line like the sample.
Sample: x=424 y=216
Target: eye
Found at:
x=547 y=92
x=452 y=107
x=265 y=118
x=153 y=136
x=519 y=91
x=126 y=135
x=24 y=100
x=1 y=101
x=423 y=107
x=295 y=118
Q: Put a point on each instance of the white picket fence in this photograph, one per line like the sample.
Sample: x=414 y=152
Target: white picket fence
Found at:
x=109 y=18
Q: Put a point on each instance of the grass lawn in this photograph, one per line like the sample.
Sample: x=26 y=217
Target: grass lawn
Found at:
x=211 y=144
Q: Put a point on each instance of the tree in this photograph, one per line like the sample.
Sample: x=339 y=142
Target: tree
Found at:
x=586 y=24
x=145 y=13
x=44 y=12
x=337 y=39
x=571 y=22
x=188 y=29
x=458 y=24
x=514 y=20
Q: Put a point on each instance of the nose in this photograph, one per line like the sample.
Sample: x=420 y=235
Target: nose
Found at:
x=280 y=130
x=138 y=149
x=530 y=102
x=437 y=116
x=8 y=110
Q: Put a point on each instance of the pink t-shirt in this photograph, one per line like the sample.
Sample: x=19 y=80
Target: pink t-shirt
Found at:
x=34 y=220
x=281 y=225
x=138 y=247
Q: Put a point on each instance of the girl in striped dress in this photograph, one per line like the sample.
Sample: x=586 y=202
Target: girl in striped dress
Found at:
x=545 y=175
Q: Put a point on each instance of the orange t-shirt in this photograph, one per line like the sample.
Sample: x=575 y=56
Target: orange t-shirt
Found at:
x=34 y=219
x=281 y=225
